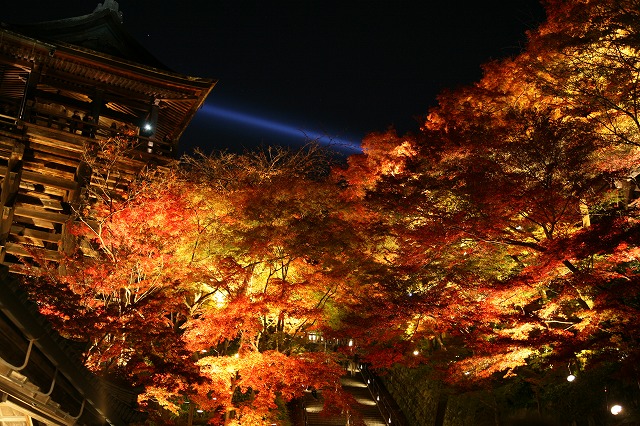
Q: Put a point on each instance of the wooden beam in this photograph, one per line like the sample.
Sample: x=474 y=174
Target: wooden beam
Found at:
x=56 y=182
x=19 y=268
x=38 y=167
x=41 y=215
x=54 y=192
x=20 y=250
x=48 y=157
x=74 y=155
x=23 y=231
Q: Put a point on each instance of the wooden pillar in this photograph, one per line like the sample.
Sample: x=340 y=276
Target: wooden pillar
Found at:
x=97 y=103
x=9 y=188
x=30 y=93
x=153 y=115
x=67 y=240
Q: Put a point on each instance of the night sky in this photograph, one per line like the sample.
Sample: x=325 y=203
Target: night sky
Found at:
x=313 y=68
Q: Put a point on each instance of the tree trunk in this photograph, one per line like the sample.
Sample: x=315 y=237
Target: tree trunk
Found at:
x=441 y=409
x=191 y=409
x=496 y=411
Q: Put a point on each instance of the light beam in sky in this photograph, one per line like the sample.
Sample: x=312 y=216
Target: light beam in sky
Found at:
x=281 y=128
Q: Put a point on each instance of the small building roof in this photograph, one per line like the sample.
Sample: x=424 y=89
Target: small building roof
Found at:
x=41 y=376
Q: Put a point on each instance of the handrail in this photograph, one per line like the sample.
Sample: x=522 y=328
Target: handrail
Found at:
x=53 y=382
x=305 y=416
x=81 y=410
x=387 y=410
x=26 y=359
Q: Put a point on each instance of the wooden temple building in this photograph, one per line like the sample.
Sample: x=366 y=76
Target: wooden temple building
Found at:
x=67 y=87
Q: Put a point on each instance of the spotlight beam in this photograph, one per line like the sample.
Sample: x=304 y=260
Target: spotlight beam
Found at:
x=277 y=127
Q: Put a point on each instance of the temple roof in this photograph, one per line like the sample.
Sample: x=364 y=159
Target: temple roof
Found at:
x=101 y=31
x=95 y=51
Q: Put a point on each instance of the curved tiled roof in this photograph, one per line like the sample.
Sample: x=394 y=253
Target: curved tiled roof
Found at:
x=100 y=31
x=96 y=51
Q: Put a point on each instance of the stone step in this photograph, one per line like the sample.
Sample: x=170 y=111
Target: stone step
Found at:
x=366 y=407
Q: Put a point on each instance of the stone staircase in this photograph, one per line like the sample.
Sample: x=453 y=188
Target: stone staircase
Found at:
x=368 y=408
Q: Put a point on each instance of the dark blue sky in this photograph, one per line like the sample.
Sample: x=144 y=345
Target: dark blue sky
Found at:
x=287 y=69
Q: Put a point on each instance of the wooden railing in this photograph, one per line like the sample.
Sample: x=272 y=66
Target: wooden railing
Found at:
x=91 y=130
x=387 y=408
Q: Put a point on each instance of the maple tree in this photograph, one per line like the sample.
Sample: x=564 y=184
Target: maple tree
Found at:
x=222 y=265
x=280 y=248
x=121 y=292
x=586 y=55
x=485 y=210
x=498 y=241
x=202 y=283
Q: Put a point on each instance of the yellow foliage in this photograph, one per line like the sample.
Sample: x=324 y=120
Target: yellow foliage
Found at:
x=486 y=366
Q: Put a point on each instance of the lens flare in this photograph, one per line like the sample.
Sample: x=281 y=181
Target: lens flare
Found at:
x=281 y=128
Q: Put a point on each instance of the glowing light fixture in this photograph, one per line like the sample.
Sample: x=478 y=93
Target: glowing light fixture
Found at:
x=416 y=352
x=571 y=377
x=616 y=409
x=147 y=127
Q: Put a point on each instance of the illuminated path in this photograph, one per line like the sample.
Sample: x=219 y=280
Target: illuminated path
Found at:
x=367 y=406
x=280 y=128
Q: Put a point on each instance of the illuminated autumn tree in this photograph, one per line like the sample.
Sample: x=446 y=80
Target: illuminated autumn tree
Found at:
x=586 y=55
x=122 y=291
x=483 y=211
x=572 y=161
x=275 y=237
x=500 y=240
x=205 y=283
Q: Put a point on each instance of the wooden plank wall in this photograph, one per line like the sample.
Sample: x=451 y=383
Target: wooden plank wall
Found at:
x=42 y=176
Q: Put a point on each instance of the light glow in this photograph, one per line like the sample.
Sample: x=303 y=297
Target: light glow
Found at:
x=281 y=128
x=616 y=409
